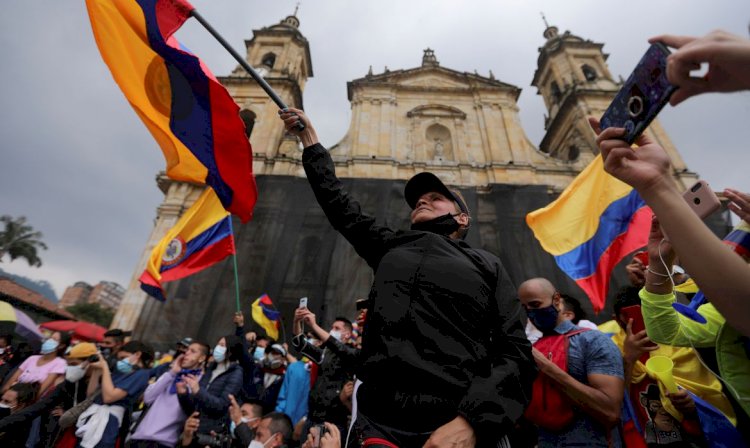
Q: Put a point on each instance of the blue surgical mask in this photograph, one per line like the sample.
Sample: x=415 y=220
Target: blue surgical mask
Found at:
x=544 y=319
x=220 y=353
x=259 y=353
x=124 y=366
x=49 y=346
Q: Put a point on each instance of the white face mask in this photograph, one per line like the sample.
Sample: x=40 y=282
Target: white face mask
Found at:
x=74 y=373
x=336 y=334
x=257 y=444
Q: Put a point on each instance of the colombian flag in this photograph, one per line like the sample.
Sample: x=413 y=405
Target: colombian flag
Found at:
x=593 y=225
x=265 y=315
x=190 y=114
x=739 y=239
x=202 y=237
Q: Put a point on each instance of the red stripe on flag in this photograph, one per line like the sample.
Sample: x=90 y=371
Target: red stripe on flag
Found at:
x=596 y=286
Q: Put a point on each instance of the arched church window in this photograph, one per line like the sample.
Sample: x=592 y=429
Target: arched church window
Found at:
x=268 y=60
x=589 y=72
x=248 y=117
x=554 y=91
x=439 y=142
x=573 y=153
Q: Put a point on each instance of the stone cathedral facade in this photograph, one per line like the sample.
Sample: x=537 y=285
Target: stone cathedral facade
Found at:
x=462 y=126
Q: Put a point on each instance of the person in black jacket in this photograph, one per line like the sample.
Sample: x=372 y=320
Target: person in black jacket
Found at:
x=252 y=379
x=15 y=430
x=336 y=362
x=445 y=360
x=209 y=394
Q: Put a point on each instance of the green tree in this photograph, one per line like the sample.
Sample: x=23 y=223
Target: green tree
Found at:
x=92 y=312
x=20 y=240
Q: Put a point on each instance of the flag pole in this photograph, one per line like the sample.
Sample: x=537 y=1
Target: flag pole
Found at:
x=251 y=71
x=236 y=274
x=236 y=282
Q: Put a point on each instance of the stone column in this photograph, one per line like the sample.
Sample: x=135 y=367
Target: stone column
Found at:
x=179 y=196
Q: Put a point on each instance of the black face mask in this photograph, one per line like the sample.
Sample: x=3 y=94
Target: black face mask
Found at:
x=4 y=412
x=442 y=225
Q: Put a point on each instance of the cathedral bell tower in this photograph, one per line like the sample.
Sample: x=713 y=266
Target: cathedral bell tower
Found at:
x=281 y=54
x=575 y=83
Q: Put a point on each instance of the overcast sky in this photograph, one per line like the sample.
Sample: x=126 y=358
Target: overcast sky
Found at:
x=80 y=165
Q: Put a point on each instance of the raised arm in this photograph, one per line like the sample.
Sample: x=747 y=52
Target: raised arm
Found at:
x=343 y=212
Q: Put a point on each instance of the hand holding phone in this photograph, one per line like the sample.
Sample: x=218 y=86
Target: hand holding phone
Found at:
x=702 y=199
x=634 y=312
x=303 y=302
x=643 y=95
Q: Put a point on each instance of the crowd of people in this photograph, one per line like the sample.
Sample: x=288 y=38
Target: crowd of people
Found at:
x=445 y=351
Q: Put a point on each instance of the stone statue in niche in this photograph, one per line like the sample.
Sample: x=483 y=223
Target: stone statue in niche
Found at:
x=439 y=149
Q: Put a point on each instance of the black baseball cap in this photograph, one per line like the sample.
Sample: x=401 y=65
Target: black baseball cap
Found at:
x=117 y=333
x=427 y=182
x=185 y=342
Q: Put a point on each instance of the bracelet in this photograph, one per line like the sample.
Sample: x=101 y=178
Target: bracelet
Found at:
x=657 y=273
x=660 y=283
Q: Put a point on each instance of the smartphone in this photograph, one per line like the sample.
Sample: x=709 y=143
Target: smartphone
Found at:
x=642 y=96
x=634 y=312
x=321 y=430
x=303 y=302
x=702 y=199
x=642 y=256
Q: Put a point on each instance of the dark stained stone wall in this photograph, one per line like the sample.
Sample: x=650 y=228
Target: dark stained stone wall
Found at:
x=289 y=250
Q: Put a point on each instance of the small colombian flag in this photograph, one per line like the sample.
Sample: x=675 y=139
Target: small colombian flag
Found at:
x=265 y=315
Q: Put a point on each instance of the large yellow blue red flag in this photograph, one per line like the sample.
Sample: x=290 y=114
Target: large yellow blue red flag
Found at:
x=201 y=237
x=591 y=227
x=190 y=114
x=265 y=315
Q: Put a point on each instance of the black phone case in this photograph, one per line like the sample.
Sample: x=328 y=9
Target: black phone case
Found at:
x=643 y=95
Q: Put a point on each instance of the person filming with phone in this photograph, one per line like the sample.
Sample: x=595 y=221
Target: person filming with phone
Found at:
x=445 y=360
x=336 y=361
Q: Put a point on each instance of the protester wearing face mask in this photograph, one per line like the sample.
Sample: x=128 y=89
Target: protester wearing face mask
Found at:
x=164 y=419
x=273 y=366
x=6 y=349
x=120 y=389
x=274 y=430
x=68 y=393
x=336 y=368
x=113 y=340
x=592 y=383
x=45 y=368
x=252 y=375
x=245 y=420
x=209 y=394
x=14 y=400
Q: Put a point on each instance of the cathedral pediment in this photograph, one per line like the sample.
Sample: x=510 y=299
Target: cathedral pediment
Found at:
x=433 y=79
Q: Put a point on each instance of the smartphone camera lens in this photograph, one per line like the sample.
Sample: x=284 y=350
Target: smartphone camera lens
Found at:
x=635 y=106
x=629 y=127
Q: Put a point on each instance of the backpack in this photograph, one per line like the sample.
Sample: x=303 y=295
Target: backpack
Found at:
x=550 y=408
